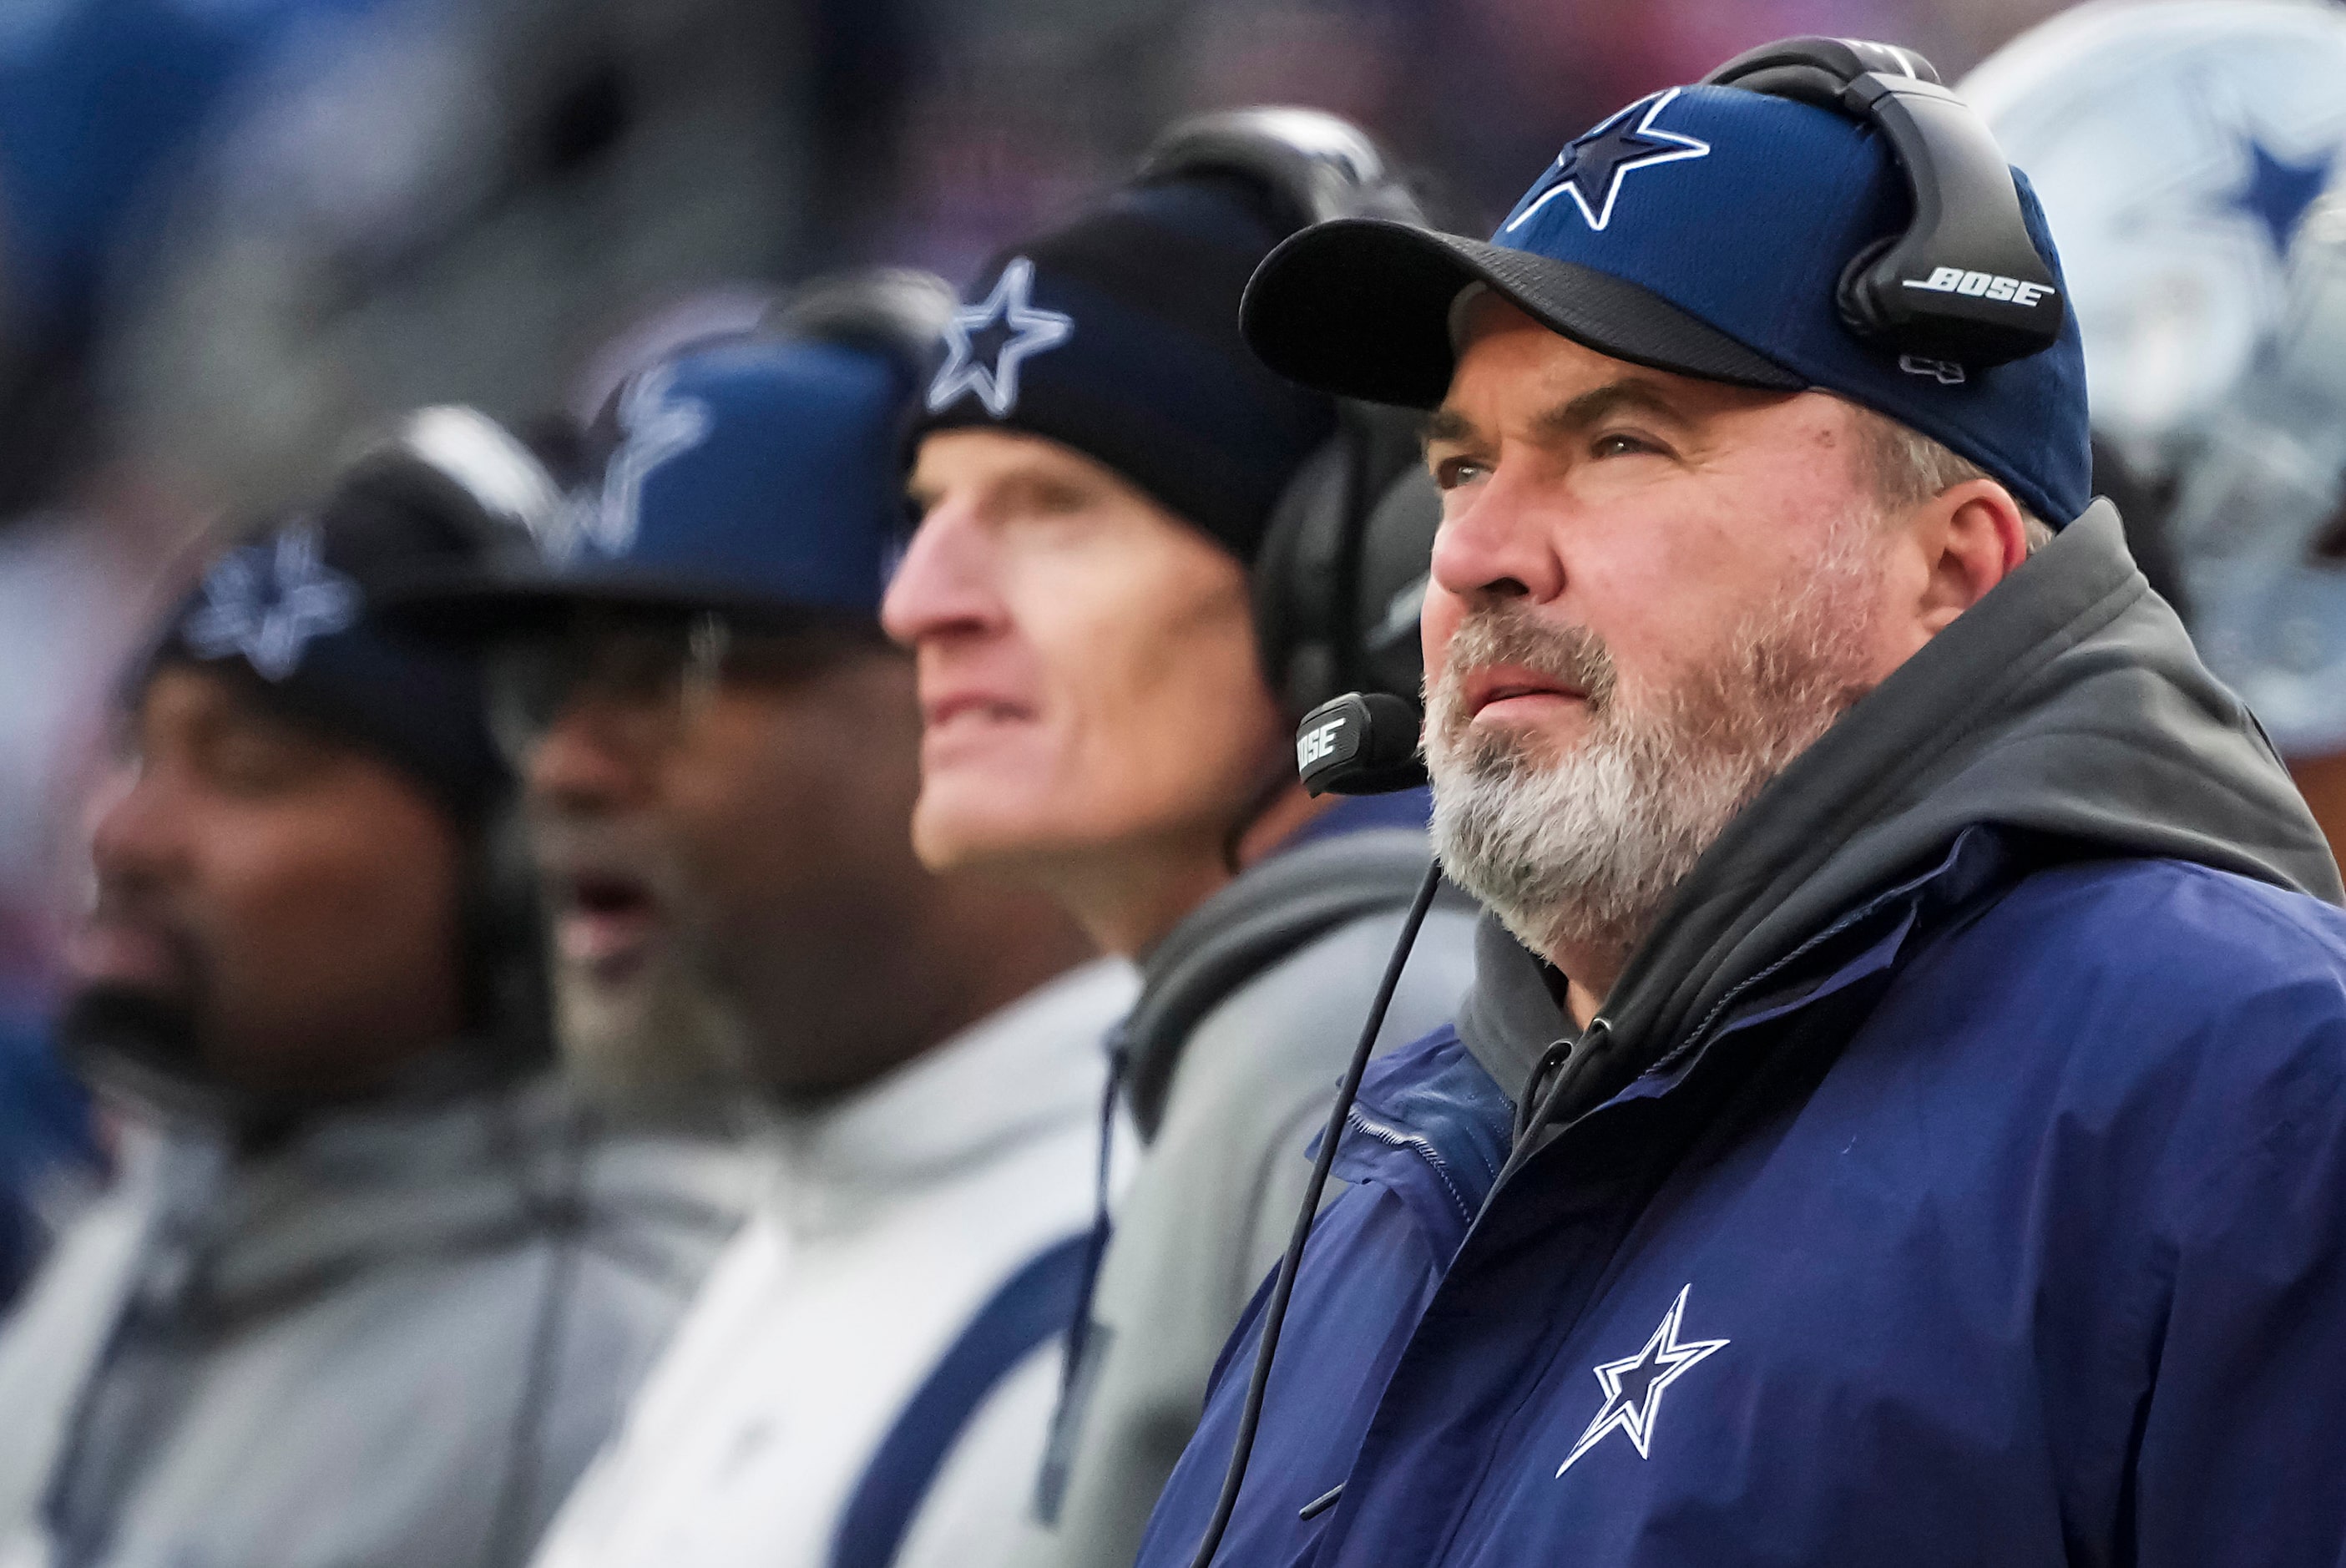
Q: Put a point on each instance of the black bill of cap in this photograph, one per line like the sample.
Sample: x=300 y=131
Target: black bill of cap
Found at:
x=1361 y=307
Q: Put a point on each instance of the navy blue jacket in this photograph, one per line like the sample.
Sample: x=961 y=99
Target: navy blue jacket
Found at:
x=1990 y=1210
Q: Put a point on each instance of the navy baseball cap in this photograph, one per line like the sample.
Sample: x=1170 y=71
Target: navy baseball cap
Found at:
x=756 y=476
x=1702 y=231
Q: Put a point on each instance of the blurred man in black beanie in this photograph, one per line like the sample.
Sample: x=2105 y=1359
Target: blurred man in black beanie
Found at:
x=1108 y=486
x=373 y=1288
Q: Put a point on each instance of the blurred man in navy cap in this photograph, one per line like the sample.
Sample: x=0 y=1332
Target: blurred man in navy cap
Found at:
x=1901 y=1113
x=1141 y=558
x=374 y=1287
x=722 y=753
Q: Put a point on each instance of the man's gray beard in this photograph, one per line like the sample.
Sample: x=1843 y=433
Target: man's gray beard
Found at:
x=1580 y=852
x=665 y=1046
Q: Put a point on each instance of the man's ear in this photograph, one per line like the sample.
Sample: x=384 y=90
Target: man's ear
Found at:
x=1972 y=538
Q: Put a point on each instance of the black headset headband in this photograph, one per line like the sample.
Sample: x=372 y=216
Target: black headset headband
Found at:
x=898 y=311
x=1318 y=166
x=459 y=465
x=1964 y=282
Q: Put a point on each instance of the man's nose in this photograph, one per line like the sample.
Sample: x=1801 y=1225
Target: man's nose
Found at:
x=943 y=587
x=584 y=763
x=137 y=828
x=1496 y=541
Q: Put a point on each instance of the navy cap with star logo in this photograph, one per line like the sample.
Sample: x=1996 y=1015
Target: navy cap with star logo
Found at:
x=1702 y=231
x=754 y=474
x=1591 y=167
x=755 y=477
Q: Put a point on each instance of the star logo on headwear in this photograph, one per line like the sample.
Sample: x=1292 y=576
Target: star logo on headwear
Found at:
x=269 y=601
x=1634 y=1385
x=989 y=341
x=2279 y=192
x=1591 y=168
x=657 y=426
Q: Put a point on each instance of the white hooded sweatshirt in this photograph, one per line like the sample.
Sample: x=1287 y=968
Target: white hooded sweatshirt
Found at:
x=872 y=1275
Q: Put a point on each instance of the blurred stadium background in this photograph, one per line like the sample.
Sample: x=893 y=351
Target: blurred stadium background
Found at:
x=235 y=234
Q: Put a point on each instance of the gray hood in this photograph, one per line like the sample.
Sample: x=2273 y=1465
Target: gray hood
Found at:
x=2068 y=705
x=1241 y=930
x=1250 y=924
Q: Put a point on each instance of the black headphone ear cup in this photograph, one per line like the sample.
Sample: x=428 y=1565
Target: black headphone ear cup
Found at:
x=1342 y=571
x=1963 y=279
x=502 y=931
x=1396 y=564
x=1855 y=294
x=1297 y=578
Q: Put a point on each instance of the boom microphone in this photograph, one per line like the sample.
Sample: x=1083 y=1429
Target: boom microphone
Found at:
x=1362 y=743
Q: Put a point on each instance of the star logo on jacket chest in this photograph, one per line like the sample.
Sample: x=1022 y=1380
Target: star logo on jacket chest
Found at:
x=1590 y=168
x=1634 y=1386
x=987 y=343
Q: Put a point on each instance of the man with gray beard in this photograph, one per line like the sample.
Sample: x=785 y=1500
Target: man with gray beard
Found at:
x=722 y=751
x=1579 y=847
x=1910 y=1033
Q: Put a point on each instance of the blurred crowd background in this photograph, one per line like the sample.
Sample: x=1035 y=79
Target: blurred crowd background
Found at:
x=236 y=235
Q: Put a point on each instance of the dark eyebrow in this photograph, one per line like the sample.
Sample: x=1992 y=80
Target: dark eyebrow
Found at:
x=1444 y=423
x=1591 y=407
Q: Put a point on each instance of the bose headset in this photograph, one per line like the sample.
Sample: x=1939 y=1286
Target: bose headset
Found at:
x=1966 y=236
x=1342 y=571
x=1962 y=279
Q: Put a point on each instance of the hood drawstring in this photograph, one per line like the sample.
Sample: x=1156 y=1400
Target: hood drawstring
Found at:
x=1119 y=1059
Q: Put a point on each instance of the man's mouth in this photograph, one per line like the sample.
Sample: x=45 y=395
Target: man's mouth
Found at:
x=130 y=954
x=605 y=922
x=971 y=707
x=1510 y=692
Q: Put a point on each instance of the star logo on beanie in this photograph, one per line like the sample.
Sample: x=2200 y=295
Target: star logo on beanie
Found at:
x=1007 y=330
x=1591 y=168
x=269 y=601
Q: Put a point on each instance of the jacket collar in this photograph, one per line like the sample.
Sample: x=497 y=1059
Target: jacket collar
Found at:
x=1026 y=1070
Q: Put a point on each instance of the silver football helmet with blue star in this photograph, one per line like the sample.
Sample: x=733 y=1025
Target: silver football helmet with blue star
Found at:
x=2191 y=158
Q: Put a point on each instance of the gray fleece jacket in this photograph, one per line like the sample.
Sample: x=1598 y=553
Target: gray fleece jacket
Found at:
x=393 y=1337
x=1248 y=1011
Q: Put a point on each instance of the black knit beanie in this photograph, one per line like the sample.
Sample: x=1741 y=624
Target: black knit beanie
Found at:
x=1118 y=336
x=290 y=613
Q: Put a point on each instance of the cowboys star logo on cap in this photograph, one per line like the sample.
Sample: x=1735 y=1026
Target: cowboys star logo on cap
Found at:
x=1590 y=168
x=1007 y=330
x=659 y=426
x=268 y=601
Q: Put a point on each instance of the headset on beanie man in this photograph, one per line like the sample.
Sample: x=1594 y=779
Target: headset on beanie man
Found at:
x=1341 y=569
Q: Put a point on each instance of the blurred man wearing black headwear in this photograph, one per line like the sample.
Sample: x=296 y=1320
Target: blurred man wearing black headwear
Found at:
x=1104 y=593
x=374 y=1287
